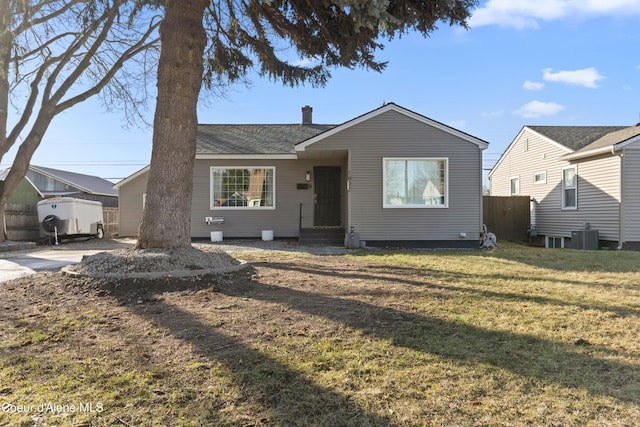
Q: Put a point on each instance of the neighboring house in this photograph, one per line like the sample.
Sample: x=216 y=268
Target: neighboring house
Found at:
x=579 y=178
x=55 y=183
x=25 y=193
x=395 y=176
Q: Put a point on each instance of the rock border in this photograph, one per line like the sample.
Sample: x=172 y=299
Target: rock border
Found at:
x=158 y=274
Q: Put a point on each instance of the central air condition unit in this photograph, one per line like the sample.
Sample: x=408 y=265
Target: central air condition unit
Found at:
x=585 y=239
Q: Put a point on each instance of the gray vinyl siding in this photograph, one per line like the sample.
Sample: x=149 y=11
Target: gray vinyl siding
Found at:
x=631 y=193
x=598 y=187
x=239 y=223
x=131 y=205
x=395 y=135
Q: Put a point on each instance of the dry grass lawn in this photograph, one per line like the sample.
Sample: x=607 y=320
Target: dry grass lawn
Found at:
x=513 y=337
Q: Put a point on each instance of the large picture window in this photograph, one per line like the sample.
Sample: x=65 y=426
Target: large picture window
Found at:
x=569 y=188
x=415 y=183
x=243 y=188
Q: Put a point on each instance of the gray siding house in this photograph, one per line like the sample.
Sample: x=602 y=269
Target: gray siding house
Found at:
x=579 y=178
x=396 y=177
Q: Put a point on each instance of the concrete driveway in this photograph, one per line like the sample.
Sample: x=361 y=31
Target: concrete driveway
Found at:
x=53 y=258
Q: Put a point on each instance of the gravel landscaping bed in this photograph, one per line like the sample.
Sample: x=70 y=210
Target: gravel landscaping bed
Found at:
x=151 y=262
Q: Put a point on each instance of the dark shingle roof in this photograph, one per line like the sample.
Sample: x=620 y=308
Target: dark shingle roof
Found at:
x=613 y=138
x=575 y=137
x=89 y=183
x=254 y=139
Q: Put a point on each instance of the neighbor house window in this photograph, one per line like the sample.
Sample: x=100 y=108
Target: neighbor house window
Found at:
x=569 y=188
x=515 y=186
x=540 y=177
x=415 y=183
x=243 y=187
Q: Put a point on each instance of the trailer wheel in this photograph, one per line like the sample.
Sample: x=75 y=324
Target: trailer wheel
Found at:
x=50 y=223
x=100 y=233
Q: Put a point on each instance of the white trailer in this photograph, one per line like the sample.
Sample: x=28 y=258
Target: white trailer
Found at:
x=70 y=217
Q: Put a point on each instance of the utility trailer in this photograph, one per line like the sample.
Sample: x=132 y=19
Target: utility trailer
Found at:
x=67 y=217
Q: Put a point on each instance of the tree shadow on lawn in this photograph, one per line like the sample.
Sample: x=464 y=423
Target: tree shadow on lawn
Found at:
x=287 y=396
x=521 y=354
x=401 y=273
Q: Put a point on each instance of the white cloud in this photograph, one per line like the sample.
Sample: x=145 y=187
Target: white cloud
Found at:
x=587 y=77
x=522 y=14
x=493 y=114
x=538 y=109
x=529 y=85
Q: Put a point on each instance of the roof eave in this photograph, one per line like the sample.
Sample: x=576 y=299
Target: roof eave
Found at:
x=589 y=153
x=288 y=156
x=131 y=177
x=302 y=146
x=613 y=149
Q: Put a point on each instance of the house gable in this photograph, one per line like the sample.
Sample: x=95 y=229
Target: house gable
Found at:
x=525 y=132
x=302 y=146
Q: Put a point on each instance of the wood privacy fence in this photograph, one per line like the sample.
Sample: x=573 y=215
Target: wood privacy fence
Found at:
x=22 y=222
x=110 y=221
x=507 y=217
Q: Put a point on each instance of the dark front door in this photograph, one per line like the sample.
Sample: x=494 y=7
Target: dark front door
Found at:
x=328 y=201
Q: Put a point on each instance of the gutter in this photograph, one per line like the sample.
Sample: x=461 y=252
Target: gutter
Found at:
x=594 y=152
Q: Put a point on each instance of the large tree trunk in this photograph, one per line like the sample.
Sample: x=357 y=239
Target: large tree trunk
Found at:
x=166 y=221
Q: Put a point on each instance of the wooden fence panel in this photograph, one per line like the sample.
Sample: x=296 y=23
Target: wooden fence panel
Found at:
x=22 y=222
x=110 y=221
x=507 y=217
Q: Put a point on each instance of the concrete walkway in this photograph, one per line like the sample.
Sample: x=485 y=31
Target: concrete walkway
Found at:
x=23 y=264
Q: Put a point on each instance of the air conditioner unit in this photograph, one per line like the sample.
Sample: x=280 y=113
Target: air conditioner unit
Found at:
x=585 y=239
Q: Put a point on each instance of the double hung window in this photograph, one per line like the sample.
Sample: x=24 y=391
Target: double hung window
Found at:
x=569 y=188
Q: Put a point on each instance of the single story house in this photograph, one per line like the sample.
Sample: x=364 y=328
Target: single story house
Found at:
x=395 y=177
x=582 y=180
x=49 y=182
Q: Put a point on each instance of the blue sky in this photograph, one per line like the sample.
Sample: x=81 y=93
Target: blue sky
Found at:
x=522 y=62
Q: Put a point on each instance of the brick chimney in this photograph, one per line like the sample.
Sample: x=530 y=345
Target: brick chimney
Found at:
x=307 y=115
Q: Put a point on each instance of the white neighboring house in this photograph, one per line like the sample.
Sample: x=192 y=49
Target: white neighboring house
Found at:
x=581 y=180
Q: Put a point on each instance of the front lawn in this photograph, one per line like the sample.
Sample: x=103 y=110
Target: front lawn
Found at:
x=515 y=336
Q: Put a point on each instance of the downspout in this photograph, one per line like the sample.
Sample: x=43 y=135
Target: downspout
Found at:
x=618 y=153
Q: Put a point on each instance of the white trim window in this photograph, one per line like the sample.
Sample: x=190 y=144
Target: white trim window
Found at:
x=243 y=187
x=415 y=182
x=540 y=177
x=570 y=188
x=514 y=185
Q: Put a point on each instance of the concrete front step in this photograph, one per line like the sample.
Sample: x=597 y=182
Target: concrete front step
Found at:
x=322 y=236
